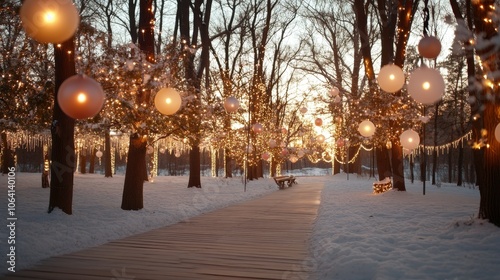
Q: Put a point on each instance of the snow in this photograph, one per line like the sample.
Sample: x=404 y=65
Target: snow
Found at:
x=357 y=235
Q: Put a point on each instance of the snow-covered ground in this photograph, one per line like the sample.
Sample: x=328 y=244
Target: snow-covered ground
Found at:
x=358 y=235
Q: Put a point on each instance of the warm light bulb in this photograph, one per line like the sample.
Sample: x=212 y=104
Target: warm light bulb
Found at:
x=168 y=100
x=49 y=17
x=426 y=85
x=82 y=97
x=410 y=140
x=392 y=77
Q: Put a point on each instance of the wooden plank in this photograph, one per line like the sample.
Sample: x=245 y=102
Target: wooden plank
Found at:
x=265 y=238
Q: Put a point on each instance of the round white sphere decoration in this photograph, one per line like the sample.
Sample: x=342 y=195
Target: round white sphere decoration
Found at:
x=320 y=138
x=168 y=101
x=366 y=128
x=303 y=110
x=257 y=128
x=265 y=156
x=49 y=21
x=80 y=97
x=391 y=78
x=231 y=104
x=409 y=139
x=429 y=47
x=334 y=92
x=426 y=85
x=497 y=132
x=318 y=122
x=98 y=154
x=272 y=143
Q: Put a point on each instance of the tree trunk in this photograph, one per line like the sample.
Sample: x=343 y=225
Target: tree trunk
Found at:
x=460 y=165
x=63 y=144
x=383 y=163
x=132 y=198
x=194 y=167
x=228 y=164
x=92 y=157
x=108 y=172
x=83 y=161
x=398 y=179
x=7 y=155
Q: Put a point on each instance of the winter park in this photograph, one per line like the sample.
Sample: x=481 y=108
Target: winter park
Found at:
x=250 y=139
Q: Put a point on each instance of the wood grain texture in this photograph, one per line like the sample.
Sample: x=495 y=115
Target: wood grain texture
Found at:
x=265 y=238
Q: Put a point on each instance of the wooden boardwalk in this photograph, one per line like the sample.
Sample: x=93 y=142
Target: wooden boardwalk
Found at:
x=265 y=238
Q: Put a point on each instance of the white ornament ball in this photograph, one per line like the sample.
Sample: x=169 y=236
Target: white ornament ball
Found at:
x=318 y=122
x=366 y=128
x=429 y=47
x=257 y=128
x=320 y=138
x=168 y=101
x=265 y=156
x=80 y=97
x=231 y=104
x=272 y=143
x=426 y=85
x=334 y=92
x=98 y=154
x=497 y=132
x=49 y=21
x=303 y=110
x=391 y=78
x=409 y=139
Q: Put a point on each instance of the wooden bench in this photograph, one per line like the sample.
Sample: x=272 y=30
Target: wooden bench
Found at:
x=382 y=186
x=282 y=180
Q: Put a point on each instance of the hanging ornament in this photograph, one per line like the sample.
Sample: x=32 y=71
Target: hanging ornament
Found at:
x=409 y=139
x=272 y=143
x=80 y=97
x=391 y=78
x=303 y=110
x=320 y=138
x=168 y=101
x=257 y=128
x=497 y=132
x=318 y=122
x=293 y=158
x=334 y=92
x=98 y=154
x=426 y=85
x=265 y=156
x=429 y=47
x=366 y=128
x=231 y=104
x=49 y=21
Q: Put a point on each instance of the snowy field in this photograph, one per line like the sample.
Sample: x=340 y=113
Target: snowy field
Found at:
x=358 y=235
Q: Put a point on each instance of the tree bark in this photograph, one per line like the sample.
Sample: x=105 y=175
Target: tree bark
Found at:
x=132 y=198
x=7 y=154
x=108 y=172
x=194 y=167
x=63 y=144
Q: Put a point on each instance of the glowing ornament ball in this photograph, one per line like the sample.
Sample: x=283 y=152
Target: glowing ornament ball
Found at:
x=320 y=138
x=231 y=104
x=429 y=47
x=303 y=110
x=409 y=139
x=98 y=154
x=80 y=97
x=272 y=143
x=318 y=122
x=391 y=78
x=265 y=156
x=366 y=128
x=168 y=101
x=257 y=128
x=49 y=21
x=497 y=132
x=426 y=85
